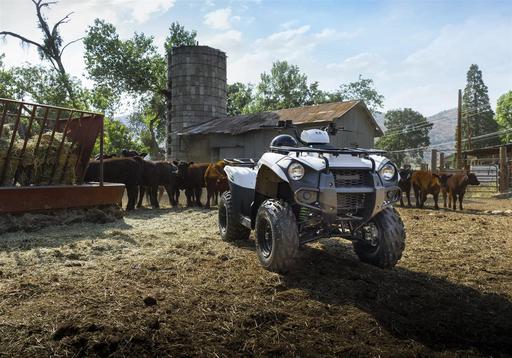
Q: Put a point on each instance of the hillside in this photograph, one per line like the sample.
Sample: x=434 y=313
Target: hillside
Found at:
x=443 y=129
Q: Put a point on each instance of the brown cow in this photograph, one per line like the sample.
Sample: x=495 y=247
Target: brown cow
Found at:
x=455 y=185
x=191 y=178
x=424 y=183
x=216 y=181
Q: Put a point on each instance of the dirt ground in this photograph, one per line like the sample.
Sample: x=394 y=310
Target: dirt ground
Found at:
x=161 y=282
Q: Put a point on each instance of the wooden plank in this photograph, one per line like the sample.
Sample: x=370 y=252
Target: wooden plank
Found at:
x=36 y=198
x=503 y=170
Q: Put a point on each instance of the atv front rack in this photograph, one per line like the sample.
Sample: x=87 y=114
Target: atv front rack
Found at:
x=240 y=162
x=335 y=151
x=365 y=153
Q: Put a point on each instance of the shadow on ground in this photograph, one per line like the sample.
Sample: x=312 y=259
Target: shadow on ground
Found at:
x=410 y=305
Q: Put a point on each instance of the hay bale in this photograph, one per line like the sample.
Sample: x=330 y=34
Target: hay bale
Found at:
x=31 y=163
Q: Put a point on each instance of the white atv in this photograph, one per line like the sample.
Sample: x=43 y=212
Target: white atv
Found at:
x=297 y=194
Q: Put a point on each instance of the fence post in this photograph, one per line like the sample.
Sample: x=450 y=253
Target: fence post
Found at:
x=503 y=170
x=441 y=161
x=433 y=161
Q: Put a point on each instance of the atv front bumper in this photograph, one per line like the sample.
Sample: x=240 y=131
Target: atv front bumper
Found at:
x=348 y=203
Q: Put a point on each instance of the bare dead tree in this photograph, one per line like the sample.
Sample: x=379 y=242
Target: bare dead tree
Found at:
x=52 y=46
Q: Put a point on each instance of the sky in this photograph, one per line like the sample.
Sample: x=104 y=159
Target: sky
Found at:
x=417 y=52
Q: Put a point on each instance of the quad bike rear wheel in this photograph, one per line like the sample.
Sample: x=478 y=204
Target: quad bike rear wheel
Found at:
x=277 y=239
x=229 y=224
x=383 y=240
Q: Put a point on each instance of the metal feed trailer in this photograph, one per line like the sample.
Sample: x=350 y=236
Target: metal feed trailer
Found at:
x=44 y=152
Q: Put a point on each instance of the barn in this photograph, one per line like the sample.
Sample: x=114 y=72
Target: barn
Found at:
x=199 y=129
x=248 y=136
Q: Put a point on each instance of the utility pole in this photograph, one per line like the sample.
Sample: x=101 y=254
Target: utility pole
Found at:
x=459 y=131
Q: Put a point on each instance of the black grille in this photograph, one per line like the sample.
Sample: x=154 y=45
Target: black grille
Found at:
x=350 y=201
x=349 y=177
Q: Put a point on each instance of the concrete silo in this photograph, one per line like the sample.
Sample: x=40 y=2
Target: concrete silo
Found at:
x=197 y=86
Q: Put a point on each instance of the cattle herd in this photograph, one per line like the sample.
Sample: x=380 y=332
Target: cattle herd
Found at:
x=142 y=176
x=424 y=183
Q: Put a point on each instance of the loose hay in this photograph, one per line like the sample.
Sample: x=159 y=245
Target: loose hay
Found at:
x=36 y=221
x=80 y=290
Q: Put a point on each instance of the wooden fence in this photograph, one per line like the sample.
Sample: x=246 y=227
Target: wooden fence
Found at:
x=494 y=173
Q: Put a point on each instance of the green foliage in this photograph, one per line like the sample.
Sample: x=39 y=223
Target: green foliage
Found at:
x=504 y=115
x=117 y=137
x=134 y=68
x=131 y=66
x=52 y=47
x=287 y=87
x=239 y=98
x=362 y=89
x=41 y=84
x=284 y=87
x=8 y=88
x=178 y=36
x=317 y=96
x=406 y=128
x=45 y=85
x=477 y=115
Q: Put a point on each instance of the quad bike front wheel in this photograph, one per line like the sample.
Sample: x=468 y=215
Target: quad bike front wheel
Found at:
x=383 y=240
x=277 y=239
x=229 y=223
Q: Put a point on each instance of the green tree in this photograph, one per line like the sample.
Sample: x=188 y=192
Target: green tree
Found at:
x=7 y=83
x=178 y=36
x=52 y=46
x=504 y=115
x=477 y=115
x=239 y=98
x=41 y=84
x=134 y=68
x=284 y=87
x=317 y=96
x=362 y=89
x=117 y=136
x=44 y=85
x=406 y=129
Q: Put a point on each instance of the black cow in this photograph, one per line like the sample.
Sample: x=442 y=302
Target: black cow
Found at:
x=127 y=171
x=405 y=185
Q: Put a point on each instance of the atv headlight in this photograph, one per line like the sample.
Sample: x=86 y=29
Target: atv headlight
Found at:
x=388 y=171
x=296 y=171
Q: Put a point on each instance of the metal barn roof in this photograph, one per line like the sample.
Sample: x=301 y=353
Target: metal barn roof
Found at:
x=320 y=113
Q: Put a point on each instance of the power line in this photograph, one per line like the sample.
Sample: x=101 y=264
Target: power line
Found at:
x=423 y=125
x=476 y=139
x=432 y=122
